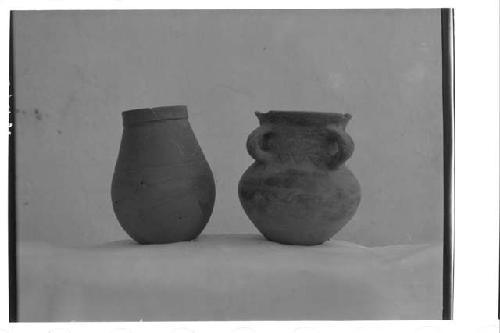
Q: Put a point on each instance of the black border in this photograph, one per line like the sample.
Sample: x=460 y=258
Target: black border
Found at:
x=448 y=86
x=13 y=308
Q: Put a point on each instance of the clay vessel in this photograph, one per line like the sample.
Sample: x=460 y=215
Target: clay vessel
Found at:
x=163 y=190
x=299 y=191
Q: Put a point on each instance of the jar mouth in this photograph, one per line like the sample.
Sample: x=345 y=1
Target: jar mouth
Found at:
x=159 y=113
x=305 y=118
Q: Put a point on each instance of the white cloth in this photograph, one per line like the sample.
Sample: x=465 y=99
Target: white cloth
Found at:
x=229 y=277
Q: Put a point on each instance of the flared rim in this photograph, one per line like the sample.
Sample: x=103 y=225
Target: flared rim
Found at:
x=303 y=117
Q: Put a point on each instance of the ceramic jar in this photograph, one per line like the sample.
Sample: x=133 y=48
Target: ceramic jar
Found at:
x=298 y=190
x=163 y=190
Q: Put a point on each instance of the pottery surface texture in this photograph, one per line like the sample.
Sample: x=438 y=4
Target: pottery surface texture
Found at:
x=163 y=190
x=298 y=190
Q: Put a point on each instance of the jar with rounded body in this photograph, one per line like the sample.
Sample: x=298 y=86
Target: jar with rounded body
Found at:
x=298 y=190
x=163 y=190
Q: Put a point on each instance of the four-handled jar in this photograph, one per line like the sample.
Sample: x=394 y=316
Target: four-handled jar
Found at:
x=299 y=191
x=163 y=190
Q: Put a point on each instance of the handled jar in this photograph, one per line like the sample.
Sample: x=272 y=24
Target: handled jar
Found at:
x=298 y=190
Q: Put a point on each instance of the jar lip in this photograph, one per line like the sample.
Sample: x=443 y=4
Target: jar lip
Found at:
x=302 y=117
x=158 y=113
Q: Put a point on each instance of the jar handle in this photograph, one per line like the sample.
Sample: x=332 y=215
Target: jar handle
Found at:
x=255 y=143
x=336 y=134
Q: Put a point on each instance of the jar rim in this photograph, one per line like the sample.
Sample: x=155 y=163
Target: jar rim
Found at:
x=158 y=113
x=303 y=117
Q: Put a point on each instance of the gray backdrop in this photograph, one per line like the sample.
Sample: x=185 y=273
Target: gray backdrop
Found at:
x=76 y=71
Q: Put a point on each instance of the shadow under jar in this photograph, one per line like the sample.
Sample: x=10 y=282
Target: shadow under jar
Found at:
x=298 y=191
x=163 y=190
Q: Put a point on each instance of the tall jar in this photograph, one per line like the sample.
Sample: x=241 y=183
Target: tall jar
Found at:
x=163 y=190
x=298 y=190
